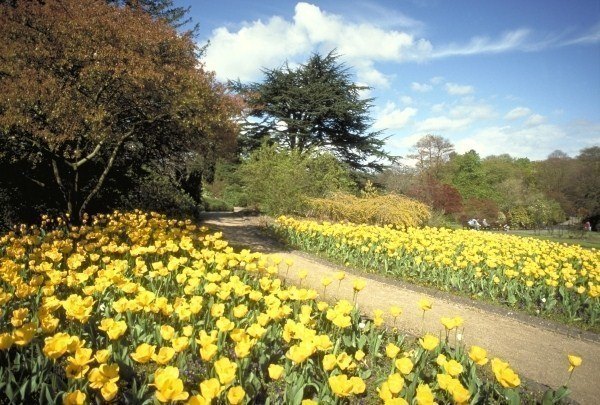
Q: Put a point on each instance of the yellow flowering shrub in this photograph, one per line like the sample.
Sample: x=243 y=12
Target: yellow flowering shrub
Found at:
x=139 y=308
x=389 y=209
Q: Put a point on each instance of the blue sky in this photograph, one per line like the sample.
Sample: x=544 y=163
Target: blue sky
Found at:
x=517 y=77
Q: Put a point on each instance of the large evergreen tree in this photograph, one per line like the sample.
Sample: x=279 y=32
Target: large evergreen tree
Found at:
x=316 y=105
x=162 y=9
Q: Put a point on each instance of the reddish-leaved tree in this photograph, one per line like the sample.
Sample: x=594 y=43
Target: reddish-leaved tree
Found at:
x=85 y=83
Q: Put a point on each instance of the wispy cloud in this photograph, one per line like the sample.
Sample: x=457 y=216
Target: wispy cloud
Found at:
x=516 y=113
x=455 y=89
x=480 y=45
x=421 y=87
x=590 y=37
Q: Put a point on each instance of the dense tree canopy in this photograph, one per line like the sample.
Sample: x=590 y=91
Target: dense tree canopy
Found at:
x=88 y=87
x=522 y=192
x=316 y=105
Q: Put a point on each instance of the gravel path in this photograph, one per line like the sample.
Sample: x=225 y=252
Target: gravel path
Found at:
x=536 y=349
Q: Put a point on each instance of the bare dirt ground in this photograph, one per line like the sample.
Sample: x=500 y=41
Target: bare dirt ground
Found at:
x=536 y=349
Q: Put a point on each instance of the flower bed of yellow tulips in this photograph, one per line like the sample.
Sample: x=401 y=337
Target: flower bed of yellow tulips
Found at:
x=537 y=276
x=137 y=308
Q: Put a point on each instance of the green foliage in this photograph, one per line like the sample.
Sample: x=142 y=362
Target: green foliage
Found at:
x=226 y=184
x=214 y=204
x=279 y=181
x=316 y=105
x=154 y=192
x=540 y=212
x=469 y=176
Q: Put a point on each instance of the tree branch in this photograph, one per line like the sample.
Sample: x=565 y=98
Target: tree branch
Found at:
x=76 y=165
x=109 y=166
x=58 y=179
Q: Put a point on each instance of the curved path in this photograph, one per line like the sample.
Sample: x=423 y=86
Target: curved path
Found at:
x=536 y=349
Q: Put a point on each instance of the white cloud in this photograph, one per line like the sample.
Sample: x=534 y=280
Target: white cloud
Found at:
x=405 y=142
x=458 y=89
x=406 y=100
x=368 y=74
x=421 y=87
x=438 y=108
x=235 y=55
x=516 y=113
x=436 y=80
x=533 y=142
x=258 y=44
x=242 y=53
x=535 y=120
x=393 y=117
x=591 y=37
x=442 y=124
x=478 y=45
x=474 y=111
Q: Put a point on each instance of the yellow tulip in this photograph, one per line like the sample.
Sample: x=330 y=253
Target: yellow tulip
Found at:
x=56 y=345
x=395 y=311
x=24 y=335
x=404 y=365
x=143 y=353
x=6 y=341
x=164 y=355
x=210 y=388
x=340 y=385
x=453 y=368
x=443 y=380
x=167 y=332
x=102 y=356
x=275 y=371
x=326 y=281
x=225 y=369
x=235 y=395
x=180 y=343
x=424 y=396
x=395 y=383
x=478 y=355
x=74 y=398
x=343 y=361
x=197 y=400
x=429 y=342
x=329 y=362
x=425 y=304
x=574 y=361
x=207 y=352
x=359 y=355
x=504 y=374
x=359 y=285
x=240 y=311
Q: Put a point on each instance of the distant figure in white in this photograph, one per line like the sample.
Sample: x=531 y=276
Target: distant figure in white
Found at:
x=485 y=224
x=473 y=224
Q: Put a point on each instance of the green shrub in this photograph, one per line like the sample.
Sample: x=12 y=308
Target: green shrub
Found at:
x=215 y=204
x=280 y=181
